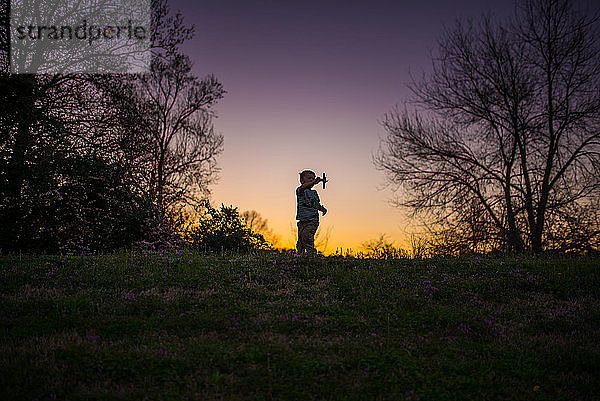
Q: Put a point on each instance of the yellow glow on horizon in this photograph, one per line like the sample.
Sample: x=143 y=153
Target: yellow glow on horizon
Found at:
x=269 y=140
x=355 y=214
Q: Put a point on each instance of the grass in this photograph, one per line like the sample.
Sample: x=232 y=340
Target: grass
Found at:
x=272 y=326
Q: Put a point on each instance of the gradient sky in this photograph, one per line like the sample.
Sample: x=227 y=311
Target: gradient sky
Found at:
x=308 y=83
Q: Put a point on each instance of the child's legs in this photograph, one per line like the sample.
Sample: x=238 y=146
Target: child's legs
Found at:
x=306 y=236
x=299 y=244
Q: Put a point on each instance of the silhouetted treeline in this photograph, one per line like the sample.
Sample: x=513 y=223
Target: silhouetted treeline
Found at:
x=97 y=162
x=499 y=148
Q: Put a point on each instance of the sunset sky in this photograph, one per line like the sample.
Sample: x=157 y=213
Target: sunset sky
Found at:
x=308 y=83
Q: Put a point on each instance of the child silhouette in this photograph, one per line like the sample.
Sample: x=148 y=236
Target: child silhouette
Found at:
x=308 y=206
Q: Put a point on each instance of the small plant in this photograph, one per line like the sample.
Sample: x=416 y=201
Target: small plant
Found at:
x=381 y=248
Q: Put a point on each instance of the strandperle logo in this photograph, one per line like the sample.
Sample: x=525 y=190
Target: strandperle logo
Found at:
x=80 y=36
x=90 y=33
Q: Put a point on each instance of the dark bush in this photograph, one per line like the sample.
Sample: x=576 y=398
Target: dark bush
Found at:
x=224 y=230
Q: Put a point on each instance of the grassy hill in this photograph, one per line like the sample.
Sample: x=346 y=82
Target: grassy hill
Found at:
x=274 y=326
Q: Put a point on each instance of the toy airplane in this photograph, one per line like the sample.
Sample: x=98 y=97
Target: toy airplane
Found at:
x=324 y=180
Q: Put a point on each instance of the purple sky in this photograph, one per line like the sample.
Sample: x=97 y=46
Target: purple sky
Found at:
x=308 y=83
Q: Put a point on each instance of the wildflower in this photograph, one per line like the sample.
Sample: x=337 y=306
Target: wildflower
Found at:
x=90 y=335
x=463 y=328
x=234 y=323
x=536 y=388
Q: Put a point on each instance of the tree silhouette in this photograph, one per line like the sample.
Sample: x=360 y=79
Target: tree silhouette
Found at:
x=504 y=138
x=106 y=126
x=184 y=144
x=255 y=222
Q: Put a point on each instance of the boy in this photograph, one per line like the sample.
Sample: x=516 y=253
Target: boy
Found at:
x=307 y=212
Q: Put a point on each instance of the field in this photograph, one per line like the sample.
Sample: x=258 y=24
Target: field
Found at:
x=180 y=326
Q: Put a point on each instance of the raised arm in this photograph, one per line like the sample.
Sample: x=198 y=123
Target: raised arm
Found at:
x=307 y=185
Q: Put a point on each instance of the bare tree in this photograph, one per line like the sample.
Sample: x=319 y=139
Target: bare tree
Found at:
x=504 y=138
x=184 y=144
x=179 y=152
x=254 y=221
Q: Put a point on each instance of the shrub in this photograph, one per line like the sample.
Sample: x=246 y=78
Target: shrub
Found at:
x=223 y=230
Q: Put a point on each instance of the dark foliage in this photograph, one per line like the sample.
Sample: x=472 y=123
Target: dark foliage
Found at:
x=85 y=165
x=224 y=230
